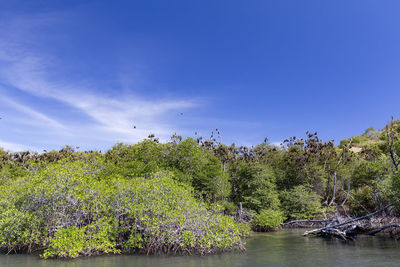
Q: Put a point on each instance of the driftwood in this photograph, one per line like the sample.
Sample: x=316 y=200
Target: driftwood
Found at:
x=383 y=228
x=334 y=232
x=306 y=223
x=339 y=230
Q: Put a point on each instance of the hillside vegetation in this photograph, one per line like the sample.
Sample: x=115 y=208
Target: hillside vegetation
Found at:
x=187 y=195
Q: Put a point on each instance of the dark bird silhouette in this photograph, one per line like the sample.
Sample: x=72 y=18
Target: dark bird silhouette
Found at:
x=134 y=126
x=181 y=113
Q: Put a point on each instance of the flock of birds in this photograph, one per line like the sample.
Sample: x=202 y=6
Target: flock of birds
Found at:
x=179 y=114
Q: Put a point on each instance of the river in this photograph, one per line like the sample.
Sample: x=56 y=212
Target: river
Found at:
x=283 y=248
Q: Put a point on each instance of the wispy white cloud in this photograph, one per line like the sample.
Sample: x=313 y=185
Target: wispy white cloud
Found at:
x=112 y=118
x=39 y=118
x=108 y=114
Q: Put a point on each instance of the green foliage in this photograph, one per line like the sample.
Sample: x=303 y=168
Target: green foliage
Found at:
x=10 y=171
x=71 y=242
x=261 y=191
x=305 y=162
x=135 y=241
x=367 y=172
x=171 y=197
x=198 y=167
x=228 y=207
x=369 y=131
x=395 y=182
x=142 y=159
x=396 y=147
x=301 y=203
x=361 y=200
x=357 y=140
x=190 y=163
x=67 y=210
x=167 y=210
x=268 y=219
x=67 y=243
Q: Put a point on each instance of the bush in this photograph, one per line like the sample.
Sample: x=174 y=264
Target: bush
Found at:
x=361 y=202
x=70 y=242
x=68 y=211
x=189 y=162
x=268 y=219
x=368 y=172
x=254 y=186
x=261 y=191
x=301 y=203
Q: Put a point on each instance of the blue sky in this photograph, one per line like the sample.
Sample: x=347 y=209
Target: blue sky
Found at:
x=85 y=72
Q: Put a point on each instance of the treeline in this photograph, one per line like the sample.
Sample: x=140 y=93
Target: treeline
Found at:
x=187 y=195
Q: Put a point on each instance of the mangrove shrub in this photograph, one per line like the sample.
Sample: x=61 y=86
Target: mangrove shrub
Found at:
x=69 y=209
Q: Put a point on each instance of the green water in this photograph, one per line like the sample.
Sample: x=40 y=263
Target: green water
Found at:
x=285 y=248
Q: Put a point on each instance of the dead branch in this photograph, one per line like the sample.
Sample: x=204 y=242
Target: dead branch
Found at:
x=342 y=155
x=350 y=221
x=307 y=222
x=336 y=232
x=383 y=228
x=390 y=136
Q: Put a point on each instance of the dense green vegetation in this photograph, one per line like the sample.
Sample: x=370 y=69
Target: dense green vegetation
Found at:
x=75 y=207
x=187 y=195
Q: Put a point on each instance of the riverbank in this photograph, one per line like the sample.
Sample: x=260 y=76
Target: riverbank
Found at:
x=282 y=248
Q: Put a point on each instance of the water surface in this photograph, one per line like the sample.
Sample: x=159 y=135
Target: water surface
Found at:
x=284 y=248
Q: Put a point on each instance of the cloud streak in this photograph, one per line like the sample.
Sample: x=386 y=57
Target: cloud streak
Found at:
x=108 y=114
x=40 y=118
x=98 y=116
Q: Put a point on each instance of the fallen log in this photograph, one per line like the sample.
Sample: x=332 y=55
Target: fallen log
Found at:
x=353 y=230
x=306 y=221
x=349 y=221
x=334 y=232
x=383 y=228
